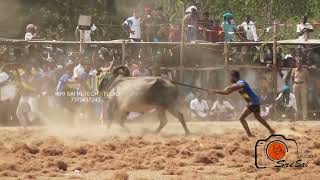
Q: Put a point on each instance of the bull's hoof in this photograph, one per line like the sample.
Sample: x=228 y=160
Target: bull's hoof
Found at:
x=156 y=132
x=109 y=125
x=187 y=133
x=127 y=130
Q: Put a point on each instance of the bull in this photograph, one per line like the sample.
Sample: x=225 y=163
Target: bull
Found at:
x=126 y=94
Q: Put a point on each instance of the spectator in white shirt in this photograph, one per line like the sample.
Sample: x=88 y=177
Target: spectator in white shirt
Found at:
x=30 y=32
x=222 y=109
x=199 y=107
x=250 y=29
x=4 y=76
x=78 y=70
x=304 y=29
x=85 y=35
x=132 y=26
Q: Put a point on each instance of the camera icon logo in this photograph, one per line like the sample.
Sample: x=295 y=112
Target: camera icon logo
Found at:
x=275 y=151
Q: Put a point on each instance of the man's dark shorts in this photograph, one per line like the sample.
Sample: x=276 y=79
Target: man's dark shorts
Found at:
x=254 y=108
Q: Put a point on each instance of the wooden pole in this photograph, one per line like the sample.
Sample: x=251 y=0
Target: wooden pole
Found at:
x=181 y=66
x=81 y=41
x=225 y=52
x=208 y=78
x=123 y=47
x=275 y=67
x=226 y=58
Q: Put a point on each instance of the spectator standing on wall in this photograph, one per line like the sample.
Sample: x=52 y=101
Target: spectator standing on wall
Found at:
x=205 y=26
x=30 y=32
x=85 y=35
x=229 y=27
x=217 y=34
x=191 y=22
x=304 y=29
x=147 y=25
x=132 y=26
x=249 y=28
x=161 y=25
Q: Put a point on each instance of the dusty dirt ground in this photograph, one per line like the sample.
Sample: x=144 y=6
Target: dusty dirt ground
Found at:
x=215 y=150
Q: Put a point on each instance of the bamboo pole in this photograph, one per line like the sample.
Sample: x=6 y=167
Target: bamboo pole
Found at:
x=226 y=55
x=181 y=66
x=220 y=67
x=208 y=78
x=123 y=47
x=81 y=45
x=275 y=67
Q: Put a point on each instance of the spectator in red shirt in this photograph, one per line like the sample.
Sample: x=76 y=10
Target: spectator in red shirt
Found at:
x=216 y=35
x=174 y=34
x=205 y=26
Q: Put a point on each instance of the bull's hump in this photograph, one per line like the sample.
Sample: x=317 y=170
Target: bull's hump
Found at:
x=141 y=78
x=148 y=79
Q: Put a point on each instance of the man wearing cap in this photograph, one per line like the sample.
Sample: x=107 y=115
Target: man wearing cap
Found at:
x=286 y=103
x=229 y=27
x=300 y=77
x=191 y=21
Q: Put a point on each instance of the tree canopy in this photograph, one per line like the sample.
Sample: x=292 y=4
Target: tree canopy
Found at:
x=57 y=19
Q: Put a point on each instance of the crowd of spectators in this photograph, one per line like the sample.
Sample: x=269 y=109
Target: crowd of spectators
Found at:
x=154 y=26
x=55 y=66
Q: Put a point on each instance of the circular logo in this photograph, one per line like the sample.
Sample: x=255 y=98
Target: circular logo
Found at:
x=276 y=150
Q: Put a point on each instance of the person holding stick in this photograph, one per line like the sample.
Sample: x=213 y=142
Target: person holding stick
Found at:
x=249 y=95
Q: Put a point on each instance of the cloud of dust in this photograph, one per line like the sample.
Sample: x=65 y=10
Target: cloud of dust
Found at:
x=73 y=126
x=11 y=26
